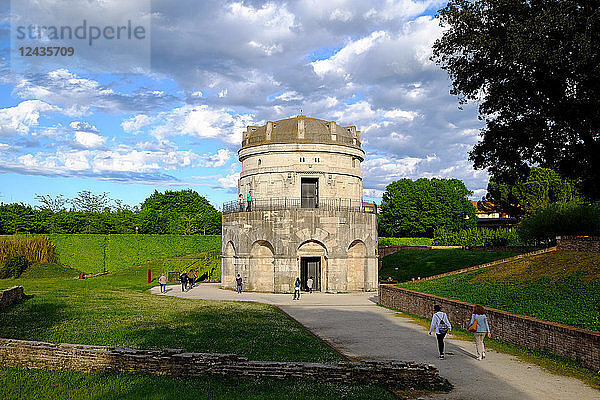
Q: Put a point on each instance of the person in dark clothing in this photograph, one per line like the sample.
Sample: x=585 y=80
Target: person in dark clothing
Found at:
x=249 y=200
x=238 y=282
x=297 y=289
x=184 y=280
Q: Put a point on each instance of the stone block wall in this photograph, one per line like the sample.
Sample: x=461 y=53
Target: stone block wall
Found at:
x=11 y=295
x=175 y=362
x=578 y=243
x=563 y=340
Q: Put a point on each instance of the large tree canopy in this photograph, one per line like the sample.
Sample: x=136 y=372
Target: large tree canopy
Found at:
x=534 y=68
x=536 y=190
x=417 y=208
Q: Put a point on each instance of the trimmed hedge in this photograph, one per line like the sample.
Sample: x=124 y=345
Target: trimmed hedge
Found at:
x=94 y=253
x=478 y=237
x=405 y=241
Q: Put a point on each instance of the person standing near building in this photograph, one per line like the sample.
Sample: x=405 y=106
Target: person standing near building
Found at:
x=163 y=283
x=482 y=328
x=441 y=325
x=249 y=200
x=238 y=282
x=309 y=283
x=241 y=202
x=297 y=289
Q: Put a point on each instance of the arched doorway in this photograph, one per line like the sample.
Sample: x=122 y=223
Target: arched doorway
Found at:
x=357 y=257
x=312 y=256
x=261 y=274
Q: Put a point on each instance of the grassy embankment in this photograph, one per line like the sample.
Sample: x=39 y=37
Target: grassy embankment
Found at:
x=562 y=287
x=117 y=310
x=407 y=264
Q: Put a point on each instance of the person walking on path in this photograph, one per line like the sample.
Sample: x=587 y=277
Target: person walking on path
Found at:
x=249 y=200
x=163 y=283
x=482 y=328
x=309 y=283
x=238 y=282
x=297 y=289
x=194 y=276
x=441 y=325
x=183 y=278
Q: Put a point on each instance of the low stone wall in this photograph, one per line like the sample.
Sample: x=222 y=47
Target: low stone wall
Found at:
x=563 y=340
x=11 y=295
x=578 y=243
x=175 y=362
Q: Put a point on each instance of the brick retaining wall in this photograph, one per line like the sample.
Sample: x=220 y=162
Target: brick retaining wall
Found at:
x=563 y=340
x=11 y=295
x=578 y=243
x=175 y=362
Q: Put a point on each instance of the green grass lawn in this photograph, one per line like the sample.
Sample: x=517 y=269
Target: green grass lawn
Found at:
x=562 y=287
x=407 y=264
x=17 y=384
x=117 y=310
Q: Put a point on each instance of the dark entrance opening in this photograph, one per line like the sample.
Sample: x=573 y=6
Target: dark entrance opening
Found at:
x=309 y=192
x=310 y=266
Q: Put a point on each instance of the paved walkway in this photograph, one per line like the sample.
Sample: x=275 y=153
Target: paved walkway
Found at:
x=355 y=325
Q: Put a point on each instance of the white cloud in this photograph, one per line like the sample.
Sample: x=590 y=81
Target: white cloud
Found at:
x=229 y=182
x=89 y=139
x=289 y=96
x=338 y=63
x=401 y=115
x=21 y=118
x=134 y=124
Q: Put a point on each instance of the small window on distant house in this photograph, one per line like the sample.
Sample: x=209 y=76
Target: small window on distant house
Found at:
x=259 y=161
x=353 y=140
x=302 y=159
x=317 y=159
x=354 y=163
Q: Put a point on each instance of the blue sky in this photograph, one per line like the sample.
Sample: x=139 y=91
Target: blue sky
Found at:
x=216 y=67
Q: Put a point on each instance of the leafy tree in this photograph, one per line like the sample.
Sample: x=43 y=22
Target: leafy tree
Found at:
x=526 y=194
x=190 y=213
x=417 y=208
x=532 y=66
x=89 y=202
x=573 y=217
x=54 y=204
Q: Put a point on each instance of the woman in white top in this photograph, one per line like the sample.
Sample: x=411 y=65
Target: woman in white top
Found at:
x=442 y=326
x=483 y=328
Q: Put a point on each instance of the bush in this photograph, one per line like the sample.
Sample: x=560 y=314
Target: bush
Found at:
x=36 y=249
x=561 y=219
x=417 y=241
x=14 y=267
x=478 y=237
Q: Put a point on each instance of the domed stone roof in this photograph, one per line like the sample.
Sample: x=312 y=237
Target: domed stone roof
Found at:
x=301 y=129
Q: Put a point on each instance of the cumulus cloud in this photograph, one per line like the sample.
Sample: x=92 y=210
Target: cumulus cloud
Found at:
x=20 y=119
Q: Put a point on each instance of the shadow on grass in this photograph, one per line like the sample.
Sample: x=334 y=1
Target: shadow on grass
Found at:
x=42 y=316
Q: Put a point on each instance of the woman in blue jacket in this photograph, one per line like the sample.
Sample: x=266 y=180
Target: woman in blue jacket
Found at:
x=483 y=328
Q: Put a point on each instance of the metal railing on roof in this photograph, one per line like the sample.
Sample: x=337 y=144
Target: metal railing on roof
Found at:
x=286 y=203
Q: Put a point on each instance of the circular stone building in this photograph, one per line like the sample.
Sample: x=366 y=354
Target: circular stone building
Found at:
x=306 y=218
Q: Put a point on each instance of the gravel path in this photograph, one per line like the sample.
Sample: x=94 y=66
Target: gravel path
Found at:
x=355 y=325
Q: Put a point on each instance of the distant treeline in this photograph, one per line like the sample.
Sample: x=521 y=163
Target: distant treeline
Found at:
x=183 y=212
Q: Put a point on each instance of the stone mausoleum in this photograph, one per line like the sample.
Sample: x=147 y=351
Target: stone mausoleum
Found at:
x=306 y=218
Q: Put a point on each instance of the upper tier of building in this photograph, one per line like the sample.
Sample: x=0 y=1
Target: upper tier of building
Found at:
x=301 y=129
